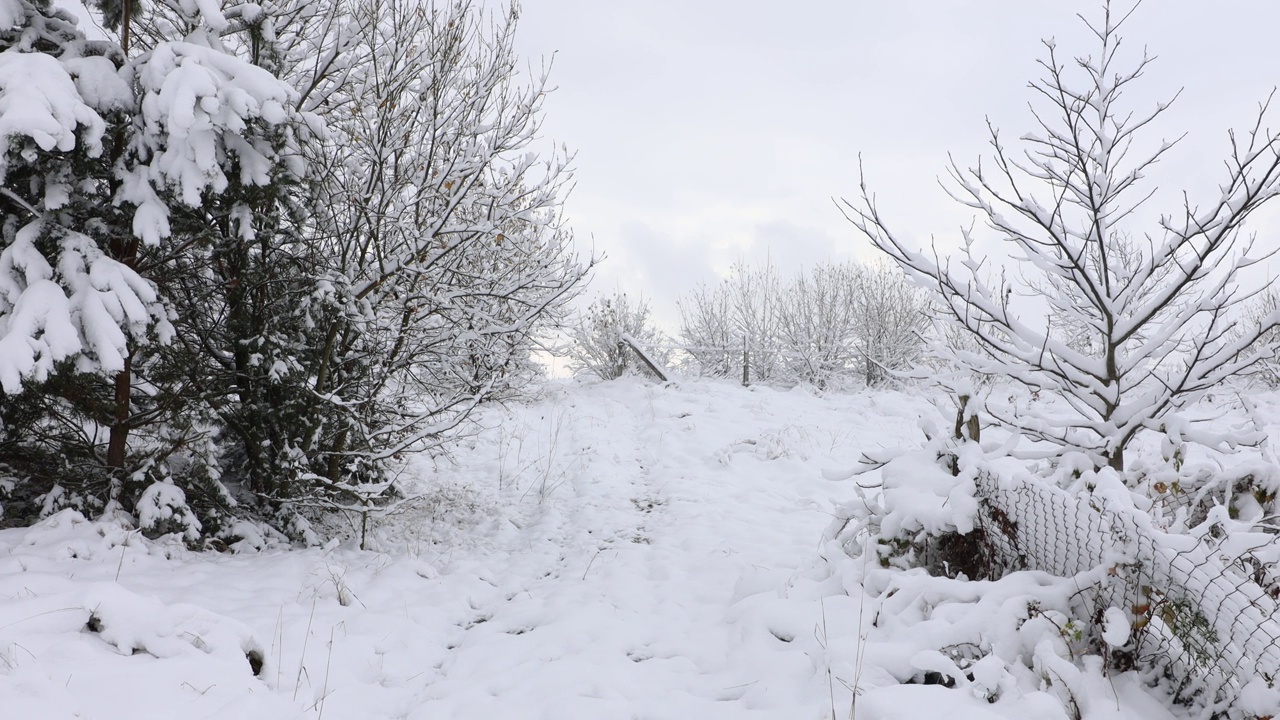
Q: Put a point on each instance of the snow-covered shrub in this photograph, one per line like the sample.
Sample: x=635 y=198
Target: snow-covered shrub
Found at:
x=819 y=315
x=436 y=272
x=941 y=590
x=1231 y=510
x=892 y=323
x=922 y=512
x=162 y=510
x=1170 y=569
x=600 y=338
x=711 y=346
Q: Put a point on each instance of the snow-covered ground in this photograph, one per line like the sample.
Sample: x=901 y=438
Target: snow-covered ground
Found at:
x=614 y=550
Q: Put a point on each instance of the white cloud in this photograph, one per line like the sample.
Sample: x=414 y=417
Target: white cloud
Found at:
x=711 y=131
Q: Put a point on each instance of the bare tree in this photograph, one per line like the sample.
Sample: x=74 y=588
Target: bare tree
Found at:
x=447 y=250
x=734 y=326
x=817 y=314
x=1124 y=324
x=1267 y=343
x=707 y=331
x=754 y=296
x=845 y=322
x=891 y=323
x=833 y=325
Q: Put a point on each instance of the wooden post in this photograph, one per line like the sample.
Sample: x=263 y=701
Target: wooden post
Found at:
x=621 y=368
x=630 y=342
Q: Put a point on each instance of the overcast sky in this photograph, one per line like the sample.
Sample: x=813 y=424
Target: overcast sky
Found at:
x=709 y=131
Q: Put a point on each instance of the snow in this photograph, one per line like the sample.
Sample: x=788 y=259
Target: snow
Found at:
x=99 y=83
x=613 y=550
x=919 y=494
x=1258 y=699
x=11 y=14
x=39 y=100
x=1116 y=627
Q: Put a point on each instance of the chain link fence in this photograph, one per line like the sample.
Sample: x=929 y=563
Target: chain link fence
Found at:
x=1203 y=609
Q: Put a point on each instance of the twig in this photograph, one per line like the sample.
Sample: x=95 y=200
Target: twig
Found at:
x=820 y=633
x=277 y=641
x=324 y=689
x=302 y=660
x=592 y=560
x=123 y=546
x=861 y=649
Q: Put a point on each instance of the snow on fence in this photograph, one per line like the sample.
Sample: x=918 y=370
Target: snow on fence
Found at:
x=1205 y=613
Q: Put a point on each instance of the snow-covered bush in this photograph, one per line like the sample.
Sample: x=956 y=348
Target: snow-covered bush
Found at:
x=920 y=504
x=893 y=323
x=444 y=255
x=844 y=322
x=819 y=314
x=600 y=338
x=1167 y=569
x=162 y=509
x=941 y=588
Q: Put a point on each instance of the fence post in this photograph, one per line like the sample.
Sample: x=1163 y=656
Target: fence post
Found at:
x=970 y=427
x=746 y=363
x=629 y=342
x=620 y=364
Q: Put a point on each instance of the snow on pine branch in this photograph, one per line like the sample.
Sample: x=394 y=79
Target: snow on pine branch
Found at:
x=40 y=103
x=82 y=307
x=198 y=107
x=66 y=288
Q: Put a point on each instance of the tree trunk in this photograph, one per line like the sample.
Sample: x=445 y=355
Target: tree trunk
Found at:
x=1115 y=460
x=118 y=441
x=335 y=456
x=126 y=15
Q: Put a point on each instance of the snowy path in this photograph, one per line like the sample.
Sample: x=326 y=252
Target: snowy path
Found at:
x=628 y=593
x=616 y=550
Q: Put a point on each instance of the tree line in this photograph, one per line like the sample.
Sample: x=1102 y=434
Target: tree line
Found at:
x=836 y=325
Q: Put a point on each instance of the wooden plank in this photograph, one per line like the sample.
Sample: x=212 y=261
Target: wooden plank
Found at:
x=644 y=357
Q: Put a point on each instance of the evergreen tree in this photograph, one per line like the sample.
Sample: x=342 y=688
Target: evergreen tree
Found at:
x=95 y=187
x=72 y=306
